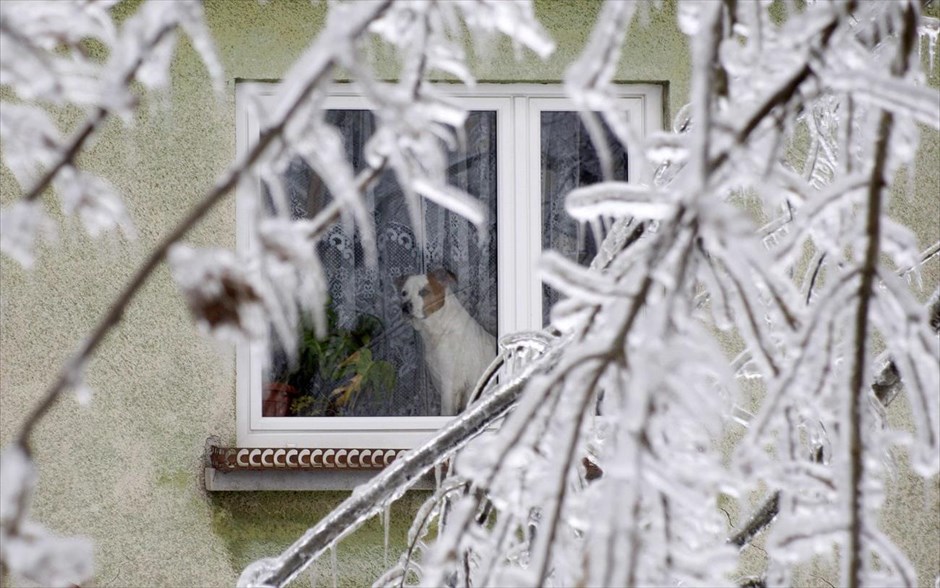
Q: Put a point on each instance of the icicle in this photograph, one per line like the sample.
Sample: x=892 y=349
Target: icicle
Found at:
x=437 y=476
x=312 y=574
x=930 y=28
x=333 y=562
x=385 y=524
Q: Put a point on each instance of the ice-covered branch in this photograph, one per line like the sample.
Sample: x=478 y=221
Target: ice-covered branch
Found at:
x=803 y=115
x=138 y=53
x=886 y=386
x=855 y=410
x=71 y=149
x=70 y=375
x=391 y=483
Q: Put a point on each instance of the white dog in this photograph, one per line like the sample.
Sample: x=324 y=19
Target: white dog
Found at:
x=456 y=348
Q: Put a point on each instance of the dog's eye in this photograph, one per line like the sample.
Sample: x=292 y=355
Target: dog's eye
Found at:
x=404 y=294
x=423 y=292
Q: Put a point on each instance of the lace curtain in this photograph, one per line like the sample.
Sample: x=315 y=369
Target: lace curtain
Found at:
x=367 y=296
x=568 y=160
x=363 y=294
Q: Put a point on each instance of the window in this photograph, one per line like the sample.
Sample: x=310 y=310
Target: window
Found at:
x=371 y=382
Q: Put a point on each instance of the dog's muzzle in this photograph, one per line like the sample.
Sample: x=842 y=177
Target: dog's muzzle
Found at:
x=406 y=307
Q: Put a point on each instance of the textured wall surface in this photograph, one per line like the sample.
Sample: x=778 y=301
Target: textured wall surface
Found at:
x=127 y=471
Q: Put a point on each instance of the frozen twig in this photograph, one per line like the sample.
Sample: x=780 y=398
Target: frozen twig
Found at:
x=761 y=518
x=886 y=386
x=855 y=415
x=76 y=144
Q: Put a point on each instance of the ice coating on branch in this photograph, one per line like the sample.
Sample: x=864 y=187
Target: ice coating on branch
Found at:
x=21 y=225
x=28 y=550
x=251 y=576
x=193 y=22
x=17 y=479
x=633 y=329
x=94 y=201
x=45 y=59
x=145 y=46
x=292 y=268
x=46 y=559
x=513 y=18
x=31 y=141
x=617 y=199
x=588 y=83
x=902 y=96
x=42 y=57
x=29 y=34
x=456 y=200
x=607 y=470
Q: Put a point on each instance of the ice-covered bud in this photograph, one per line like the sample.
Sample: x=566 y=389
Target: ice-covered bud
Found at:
x=254 y=574
x=20 y=225
x=30 y=140
x=17 y=478
x=27 y=549
x=46 y=559
x=513 y=18
x=95 y=201
x=41 y=49
x=223 y=296
x=666 y=148
x=689 y=17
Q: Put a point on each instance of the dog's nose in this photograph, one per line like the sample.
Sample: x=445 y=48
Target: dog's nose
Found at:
x=406 y=307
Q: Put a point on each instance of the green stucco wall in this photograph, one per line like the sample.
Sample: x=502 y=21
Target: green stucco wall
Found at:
x=127 y=471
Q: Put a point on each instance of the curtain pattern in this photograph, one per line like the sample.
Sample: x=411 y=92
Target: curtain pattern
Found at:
x=568 y=160
x=356 y=290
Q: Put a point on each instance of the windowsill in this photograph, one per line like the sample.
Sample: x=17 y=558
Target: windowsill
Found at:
x=234 y=469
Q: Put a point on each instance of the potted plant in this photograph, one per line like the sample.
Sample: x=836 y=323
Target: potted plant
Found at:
x=332 y=373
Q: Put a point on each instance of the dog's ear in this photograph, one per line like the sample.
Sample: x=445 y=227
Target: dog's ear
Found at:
x=400 y=282
x=444 y=276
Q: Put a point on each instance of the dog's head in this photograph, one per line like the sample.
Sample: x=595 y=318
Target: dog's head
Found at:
x=424 y=294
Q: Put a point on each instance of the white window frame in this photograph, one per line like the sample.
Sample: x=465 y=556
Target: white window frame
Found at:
x=519 y=237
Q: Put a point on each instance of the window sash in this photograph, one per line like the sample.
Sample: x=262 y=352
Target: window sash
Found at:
x=518 y=110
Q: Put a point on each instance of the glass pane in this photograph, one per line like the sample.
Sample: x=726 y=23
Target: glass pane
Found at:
x=568 y=161
x=373 y=361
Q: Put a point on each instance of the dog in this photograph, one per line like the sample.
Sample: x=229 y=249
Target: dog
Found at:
x=457 y=350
